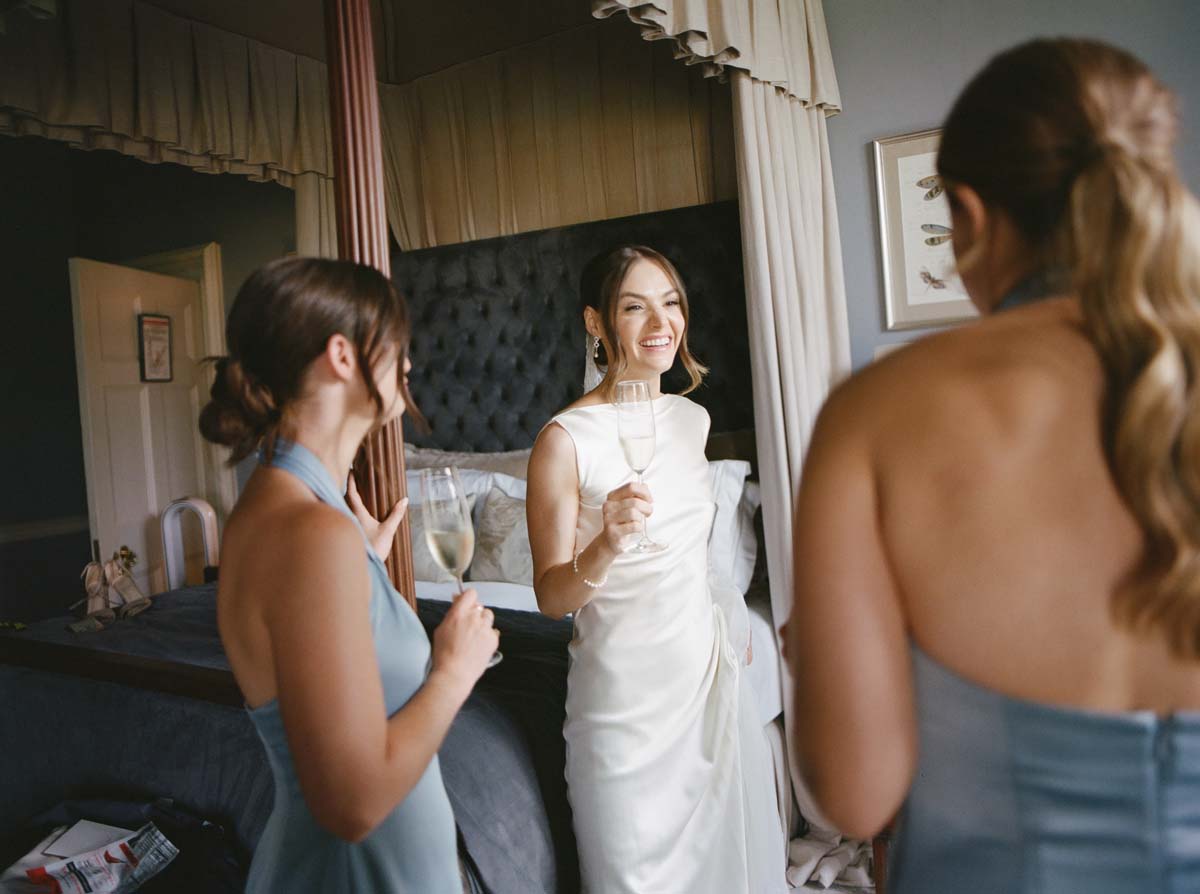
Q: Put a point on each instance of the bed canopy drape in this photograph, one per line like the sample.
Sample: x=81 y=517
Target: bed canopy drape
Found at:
x=580 y=125
x=127 y=76
x=558 y=131
x=776 y=55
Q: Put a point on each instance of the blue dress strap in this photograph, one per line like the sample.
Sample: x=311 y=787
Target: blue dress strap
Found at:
x=1032 y=288
x=304 y=464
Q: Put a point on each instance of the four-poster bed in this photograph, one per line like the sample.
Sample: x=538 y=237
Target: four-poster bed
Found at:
x=783 y=86
x=476 y=308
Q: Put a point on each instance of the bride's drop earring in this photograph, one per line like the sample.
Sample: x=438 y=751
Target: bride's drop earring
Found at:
x=596 y=348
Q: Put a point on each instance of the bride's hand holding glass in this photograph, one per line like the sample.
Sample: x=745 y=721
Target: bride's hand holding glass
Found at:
x=625 y=512
x=635 y=431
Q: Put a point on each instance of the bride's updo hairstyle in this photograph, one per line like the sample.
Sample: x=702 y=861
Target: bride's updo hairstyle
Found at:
x=1073 y=140
x=281 y=321
x=599 y=289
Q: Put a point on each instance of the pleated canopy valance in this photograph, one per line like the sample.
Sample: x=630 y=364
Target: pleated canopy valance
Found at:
x=583 y=125
x=124 y=75
x=781 y=43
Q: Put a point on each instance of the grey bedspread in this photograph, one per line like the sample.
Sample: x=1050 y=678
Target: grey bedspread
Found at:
x=66 y=735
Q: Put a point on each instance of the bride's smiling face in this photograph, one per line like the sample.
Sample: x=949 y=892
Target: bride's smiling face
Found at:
x=649 y=319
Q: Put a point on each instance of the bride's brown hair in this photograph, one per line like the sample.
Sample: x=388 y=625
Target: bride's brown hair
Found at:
x=600 y=287
x=1073 y=140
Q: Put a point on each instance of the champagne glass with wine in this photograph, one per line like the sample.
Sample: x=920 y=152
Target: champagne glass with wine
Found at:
x=449 y=533
x=635 y=429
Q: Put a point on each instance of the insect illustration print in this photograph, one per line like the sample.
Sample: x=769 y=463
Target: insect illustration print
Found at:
x=940 y=234
x=931 y=281
x=932 y=185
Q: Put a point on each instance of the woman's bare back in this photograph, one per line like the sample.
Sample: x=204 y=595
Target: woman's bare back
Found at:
x=1003 y=528
x=256 y=542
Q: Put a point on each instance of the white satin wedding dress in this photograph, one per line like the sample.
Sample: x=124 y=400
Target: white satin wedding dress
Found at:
x=667 y=768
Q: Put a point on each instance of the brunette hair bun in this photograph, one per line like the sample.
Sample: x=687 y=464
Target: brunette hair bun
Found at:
x=241 y=412
x=280 y=322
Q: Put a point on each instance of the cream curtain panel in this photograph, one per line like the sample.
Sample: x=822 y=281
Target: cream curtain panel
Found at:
x=584 y=125
x=776 y=54
x=799 y=349
x=126 y=76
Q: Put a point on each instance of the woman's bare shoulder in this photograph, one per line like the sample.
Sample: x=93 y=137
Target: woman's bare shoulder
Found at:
x=554 y=440
x=996 y=364
x=553 y=454
x=277 y=533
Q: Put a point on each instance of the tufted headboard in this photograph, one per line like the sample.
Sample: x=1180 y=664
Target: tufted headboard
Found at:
x=498 y=339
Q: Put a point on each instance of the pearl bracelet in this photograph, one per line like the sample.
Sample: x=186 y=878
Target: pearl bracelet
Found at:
x=595 y=585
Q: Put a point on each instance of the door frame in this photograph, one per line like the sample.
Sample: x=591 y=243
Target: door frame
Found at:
x=202 y=264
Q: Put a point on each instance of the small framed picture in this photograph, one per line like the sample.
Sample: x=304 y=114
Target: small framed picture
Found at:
x=921 y=287
x=154 y=347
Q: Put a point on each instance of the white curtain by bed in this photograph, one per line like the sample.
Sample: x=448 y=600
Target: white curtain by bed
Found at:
x=799 y=349
x=776 y=55
x=127 y=76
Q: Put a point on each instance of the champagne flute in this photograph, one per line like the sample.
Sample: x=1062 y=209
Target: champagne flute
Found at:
x=449 y=534
x=635 y=429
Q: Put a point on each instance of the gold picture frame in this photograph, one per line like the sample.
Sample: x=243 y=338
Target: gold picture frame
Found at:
x=921 y=287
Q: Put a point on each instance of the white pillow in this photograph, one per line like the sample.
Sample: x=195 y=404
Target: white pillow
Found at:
x=474 y=482
x=504 y=547
x=747 y=538
x=502 y=541
x=511 y=462
x=732 y=544
x=508 y=485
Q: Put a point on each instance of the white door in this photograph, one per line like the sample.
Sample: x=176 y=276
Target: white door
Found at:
x=141 y=444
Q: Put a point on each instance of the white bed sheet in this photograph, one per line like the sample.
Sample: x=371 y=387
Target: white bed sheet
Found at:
x=493 y=594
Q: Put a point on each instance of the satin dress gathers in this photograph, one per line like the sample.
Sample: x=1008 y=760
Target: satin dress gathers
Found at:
x=667 y=768
x=413 y=851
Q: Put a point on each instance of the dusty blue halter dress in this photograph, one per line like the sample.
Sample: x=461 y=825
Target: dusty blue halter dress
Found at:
x=413 y=850
x=1015 y=797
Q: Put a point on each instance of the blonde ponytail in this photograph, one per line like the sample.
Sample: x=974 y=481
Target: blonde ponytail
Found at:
x=1073 y=139
x=1133 y=235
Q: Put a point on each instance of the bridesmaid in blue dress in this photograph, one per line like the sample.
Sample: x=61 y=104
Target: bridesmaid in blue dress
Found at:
x=996 y=630
x=340 y=680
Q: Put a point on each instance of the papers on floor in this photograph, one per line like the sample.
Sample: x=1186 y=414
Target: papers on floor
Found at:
x=90 y=857
x=84 y=836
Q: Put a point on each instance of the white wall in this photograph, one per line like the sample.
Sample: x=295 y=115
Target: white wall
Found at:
x=900 y=63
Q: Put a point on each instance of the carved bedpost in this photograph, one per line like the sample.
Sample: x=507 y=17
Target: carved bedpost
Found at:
x=362 y=236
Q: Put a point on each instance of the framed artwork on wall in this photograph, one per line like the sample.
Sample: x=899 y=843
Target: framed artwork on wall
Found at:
x=154 y=347
x=920 y=285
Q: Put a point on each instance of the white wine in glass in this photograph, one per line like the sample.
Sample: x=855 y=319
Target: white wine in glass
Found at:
x=448 y=530
x=635 y=430
x=452 y=550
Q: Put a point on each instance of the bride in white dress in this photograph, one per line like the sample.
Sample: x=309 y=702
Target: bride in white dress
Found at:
x=667 y=768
